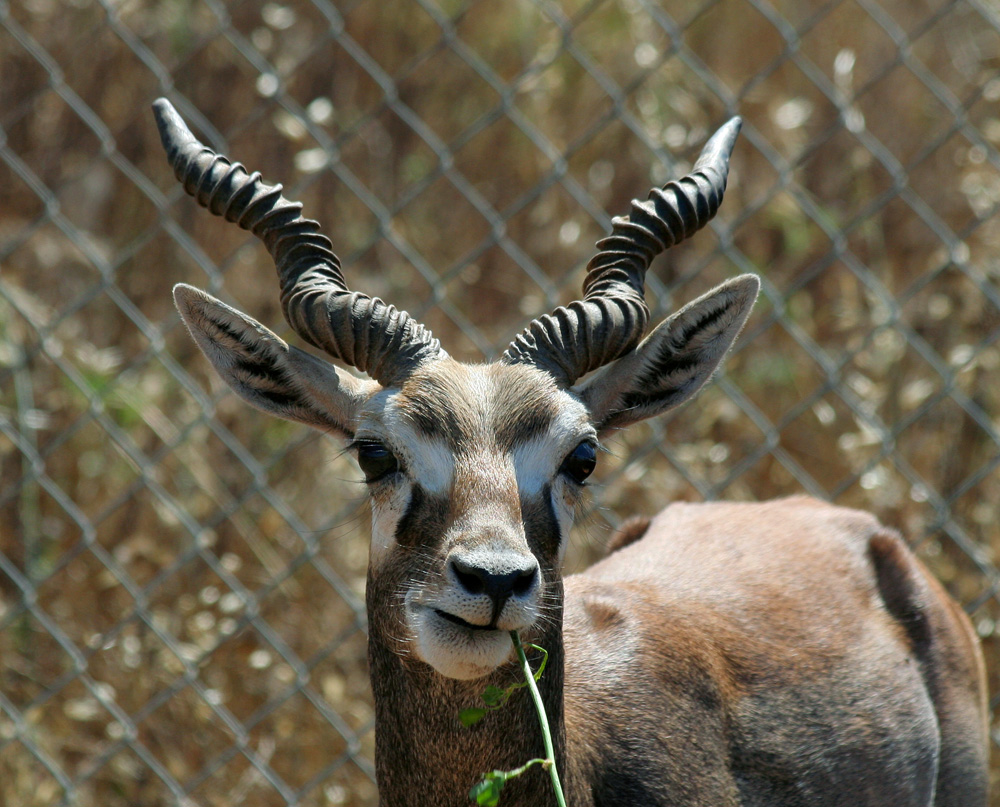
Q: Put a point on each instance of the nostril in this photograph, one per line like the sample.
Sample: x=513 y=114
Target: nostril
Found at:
x=498 y=585
x=524 y=582
x=469 y=577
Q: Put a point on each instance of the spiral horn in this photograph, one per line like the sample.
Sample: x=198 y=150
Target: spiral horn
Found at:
x=612 y=316
x=362 y=331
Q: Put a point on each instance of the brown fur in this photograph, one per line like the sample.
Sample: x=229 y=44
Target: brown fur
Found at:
x=446 y=401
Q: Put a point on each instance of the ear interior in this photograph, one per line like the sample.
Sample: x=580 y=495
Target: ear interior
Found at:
x=265 y=371
x=677 y=358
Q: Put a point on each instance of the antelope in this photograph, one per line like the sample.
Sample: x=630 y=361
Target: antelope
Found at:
x=785 y=653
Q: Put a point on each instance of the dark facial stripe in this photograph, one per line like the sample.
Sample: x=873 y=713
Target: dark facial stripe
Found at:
x=541 y=527
x=425 y=519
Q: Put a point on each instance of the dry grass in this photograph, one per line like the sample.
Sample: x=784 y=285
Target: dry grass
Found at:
x=181 y=577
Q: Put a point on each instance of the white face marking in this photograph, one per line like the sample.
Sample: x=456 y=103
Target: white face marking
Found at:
x=426 y=459
x=387 y=510
x=537 y=461
x=453 y=651
x=564 y=506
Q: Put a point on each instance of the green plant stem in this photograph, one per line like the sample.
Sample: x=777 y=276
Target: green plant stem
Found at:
x=542 y=718
x=526 y=765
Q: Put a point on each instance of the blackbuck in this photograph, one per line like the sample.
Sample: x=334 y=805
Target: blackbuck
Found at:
x=774 y=654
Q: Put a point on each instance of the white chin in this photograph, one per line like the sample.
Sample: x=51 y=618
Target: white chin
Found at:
x=457 y=652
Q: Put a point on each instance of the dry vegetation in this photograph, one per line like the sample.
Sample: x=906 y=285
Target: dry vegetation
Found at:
x=181 y=578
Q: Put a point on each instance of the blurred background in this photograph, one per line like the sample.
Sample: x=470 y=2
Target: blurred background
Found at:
x=181 y=578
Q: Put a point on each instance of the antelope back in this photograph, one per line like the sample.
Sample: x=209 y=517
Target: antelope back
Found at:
x=771 y=654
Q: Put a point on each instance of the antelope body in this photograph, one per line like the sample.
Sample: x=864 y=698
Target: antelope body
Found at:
x=781 y=654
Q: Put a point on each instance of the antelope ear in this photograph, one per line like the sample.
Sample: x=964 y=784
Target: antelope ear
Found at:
x=266 y=372
x=674 y=361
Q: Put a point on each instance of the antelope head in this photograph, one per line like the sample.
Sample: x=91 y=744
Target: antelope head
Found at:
x=473 y=470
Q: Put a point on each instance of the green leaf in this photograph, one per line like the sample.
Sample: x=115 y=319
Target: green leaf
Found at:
x=471 y=716
x=487 y=791
x=494 y=696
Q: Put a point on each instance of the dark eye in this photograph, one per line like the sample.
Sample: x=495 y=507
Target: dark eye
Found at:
x=580 y=462
x=375 y=460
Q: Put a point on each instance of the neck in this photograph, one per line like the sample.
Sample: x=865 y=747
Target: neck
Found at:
x=425 y=756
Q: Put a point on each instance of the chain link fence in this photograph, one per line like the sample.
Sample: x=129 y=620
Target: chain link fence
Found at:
x=181 y=579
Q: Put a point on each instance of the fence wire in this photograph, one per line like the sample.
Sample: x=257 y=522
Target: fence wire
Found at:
x=182 y=580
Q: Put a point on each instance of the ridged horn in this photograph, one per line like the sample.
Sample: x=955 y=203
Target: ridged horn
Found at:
x=612 y=317
x=362 y=331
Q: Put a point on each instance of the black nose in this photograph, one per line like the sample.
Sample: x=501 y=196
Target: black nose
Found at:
x=516 y=578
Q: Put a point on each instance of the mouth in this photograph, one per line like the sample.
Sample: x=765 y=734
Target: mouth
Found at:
x=455 y=647
x=457 y=620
